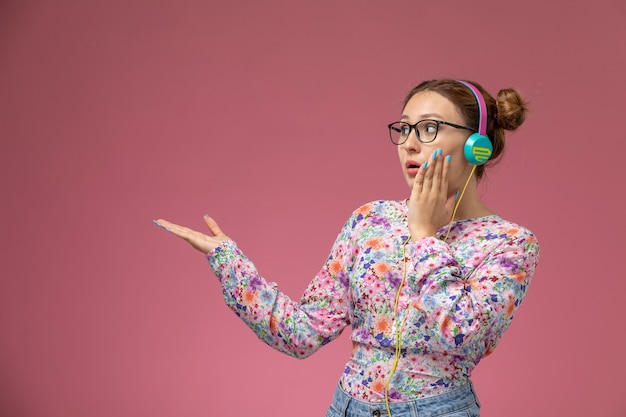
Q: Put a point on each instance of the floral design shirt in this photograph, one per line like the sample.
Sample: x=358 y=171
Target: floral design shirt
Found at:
x=457 y=297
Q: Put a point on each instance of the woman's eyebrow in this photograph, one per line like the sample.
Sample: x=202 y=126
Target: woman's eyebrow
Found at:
x=423 y=116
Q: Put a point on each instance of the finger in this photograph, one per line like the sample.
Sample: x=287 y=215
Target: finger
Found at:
x=444 y=174
x=212 y=225
x=198 y=240
x=175 y=229
x=432 y=165
x=164 y=224
x=419 y=177
x=437 y=168
x=430 y=172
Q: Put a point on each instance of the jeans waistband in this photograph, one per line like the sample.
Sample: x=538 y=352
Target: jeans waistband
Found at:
x=461 y=398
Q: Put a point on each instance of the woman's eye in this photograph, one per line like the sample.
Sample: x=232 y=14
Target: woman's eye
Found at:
x=431 y=128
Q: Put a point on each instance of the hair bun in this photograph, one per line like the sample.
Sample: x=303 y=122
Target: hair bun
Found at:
x=512 y=109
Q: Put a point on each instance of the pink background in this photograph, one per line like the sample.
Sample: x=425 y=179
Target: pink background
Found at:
x=271 y=116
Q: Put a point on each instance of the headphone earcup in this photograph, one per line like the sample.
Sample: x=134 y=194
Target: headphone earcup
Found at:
x=477 y=149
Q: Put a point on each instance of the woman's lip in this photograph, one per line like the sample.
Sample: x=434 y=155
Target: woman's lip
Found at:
x=412 y=167
x=408 y=164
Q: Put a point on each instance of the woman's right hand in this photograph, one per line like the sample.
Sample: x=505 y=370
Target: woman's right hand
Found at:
x=199 y=241
x=430 y=207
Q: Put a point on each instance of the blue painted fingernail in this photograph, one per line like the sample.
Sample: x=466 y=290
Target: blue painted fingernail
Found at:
x=448 y=158
x=456 y=196
x=425 y=165
x=440 y=151
x=161 y=226
x=435 y=155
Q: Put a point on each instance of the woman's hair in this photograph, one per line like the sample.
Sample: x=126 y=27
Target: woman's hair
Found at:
x=507 y=112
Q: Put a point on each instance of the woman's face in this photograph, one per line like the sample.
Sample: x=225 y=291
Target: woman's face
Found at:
x=413 y=153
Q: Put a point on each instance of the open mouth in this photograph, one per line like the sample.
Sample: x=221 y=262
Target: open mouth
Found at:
x=412 y=168
x=412 y=165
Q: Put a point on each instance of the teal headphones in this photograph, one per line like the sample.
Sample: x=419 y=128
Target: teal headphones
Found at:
x=478 y=148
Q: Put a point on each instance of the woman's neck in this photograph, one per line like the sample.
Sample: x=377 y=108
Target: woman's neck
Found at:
x=472 y=210
x=471 y=206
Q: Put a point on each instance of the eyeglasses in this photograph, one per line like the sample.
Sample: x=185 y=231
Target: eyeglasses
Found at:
x=425 y=130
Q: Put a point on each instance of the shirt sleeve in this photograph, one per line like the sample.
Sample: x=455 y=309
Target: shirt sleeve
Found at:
x=463 y=310
x=295 y=328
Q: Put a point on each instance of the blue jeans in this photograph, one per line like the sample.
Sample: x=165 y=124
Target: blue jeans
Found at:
x=460 y=402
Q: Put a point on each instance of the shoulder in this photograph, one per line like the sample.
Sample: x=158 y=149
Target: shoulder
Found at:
x=513 y=230
x=376 y=208
x=493 y=224
x=494 y=231
x=512 y=235
x=377 y=212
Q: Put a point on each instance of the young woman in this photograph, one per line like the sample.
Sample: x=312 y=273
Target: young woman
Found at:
x=428 y=284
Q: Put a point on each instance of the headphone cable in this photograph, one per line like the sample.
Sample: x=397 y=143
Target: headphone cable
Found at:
x=397 y=301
